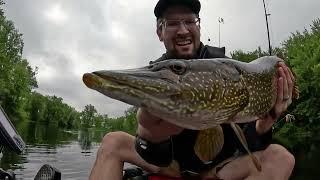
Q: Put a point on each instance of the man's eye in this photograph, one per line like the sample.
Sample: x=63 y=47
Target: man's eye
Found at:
x=189 y=22
x=173 y=23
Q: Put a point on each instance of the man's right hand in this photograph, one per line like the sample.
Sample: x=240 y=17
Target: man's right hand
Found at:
x=155 y=129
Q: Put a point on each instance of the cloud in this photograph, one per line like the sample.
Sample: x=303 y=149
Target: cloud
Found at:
x=56 y=14
x=68 y=38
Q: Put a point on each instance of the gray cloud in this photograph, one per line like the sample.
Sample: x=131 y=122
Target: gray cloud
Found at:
x=68 y=38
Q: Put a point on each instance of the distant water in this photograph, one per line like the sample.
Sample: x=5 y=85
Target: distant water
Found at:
x=70 y=159
x=71 y=152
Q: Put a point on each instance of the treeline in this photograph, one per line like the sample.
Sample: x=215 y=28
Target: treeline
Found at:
x=51 y=110
x=90 y=118
x=17 y=78
x=21 y=102
x=18 y=81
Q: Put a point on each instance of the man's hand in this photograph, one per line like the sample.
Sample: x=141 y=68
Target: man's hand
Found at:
x=284 y=99
x=153 y=128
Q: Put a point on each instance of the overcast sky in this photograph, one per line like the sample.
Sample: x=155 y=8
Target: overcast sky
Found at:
x=66 y=38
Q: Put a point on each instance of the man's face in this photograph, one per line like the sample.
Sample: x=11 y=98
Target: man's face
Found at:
x=181 y=40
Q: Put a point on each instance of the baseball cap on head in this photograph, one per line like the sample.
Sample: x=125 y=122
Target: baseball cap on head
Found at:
x=162 y=5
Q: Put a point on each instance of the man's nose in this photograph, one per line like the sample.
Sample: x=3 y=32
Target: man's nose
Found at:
x=182 y=29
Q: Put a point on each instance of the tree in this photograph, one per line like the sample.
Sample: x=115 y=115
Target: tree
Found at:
x=37 y=107
x=88 y=115
x=302 y=52
x=17 y=78
x=248 y=56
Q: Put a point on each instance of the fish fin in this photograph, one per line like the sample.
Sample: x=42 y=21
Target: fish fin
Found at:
x=244 y=143
x=209 y=143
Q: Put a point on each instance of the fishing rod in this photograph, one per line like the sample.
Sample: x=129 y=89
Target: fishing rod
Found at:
x=266 y=15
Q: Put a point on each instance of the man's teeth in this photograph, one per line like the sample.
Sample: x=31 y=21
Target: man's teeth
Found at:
x=182 y=43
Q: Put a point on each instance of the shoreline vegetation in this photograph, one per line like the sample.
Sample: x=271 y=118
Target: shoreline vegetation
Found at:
x=301 y=51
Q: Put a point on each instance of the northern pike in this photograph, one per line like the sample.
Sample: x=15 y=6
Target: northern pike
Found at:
x=196 y=94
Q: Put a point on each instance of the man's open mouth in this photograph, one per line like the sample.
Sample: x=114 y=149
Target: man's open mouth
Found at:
x=183 y=42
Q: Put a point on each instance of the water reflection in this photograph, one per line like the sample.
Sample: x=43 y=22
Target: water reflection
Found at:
x=89 y=138
x=72 y=152
x=36 y=133
x=84 y=140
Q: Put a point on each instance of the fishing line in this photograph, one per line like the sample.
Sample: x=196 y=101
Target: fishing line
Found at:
x=271 y=33
x=206 y=33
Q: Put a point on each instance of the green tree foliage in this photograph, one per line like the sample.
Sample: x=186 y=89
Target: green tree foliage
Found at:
x=37 y=107
x=126 y=123
x=17 y=78
x=52 y=110
x=99 y=121
x=303 y=54
x=88 y=116
x=248 y=56
x=131 y=122
x=252 y=55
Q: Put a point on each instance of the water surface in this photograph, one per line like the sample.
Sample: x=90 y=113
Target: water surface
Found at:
x=72 y=152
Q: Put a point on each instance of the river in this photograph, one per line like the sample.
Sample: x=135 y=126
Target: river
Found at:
x=73 y=152
x=70 y=159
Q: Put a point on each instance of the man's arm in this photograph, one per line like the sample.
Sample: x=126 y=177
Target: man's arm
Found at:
x=153 y=142
x=155 y=129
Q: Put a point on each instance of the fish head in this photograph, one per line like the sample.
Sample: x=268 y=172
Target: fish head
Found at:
x=180 y=91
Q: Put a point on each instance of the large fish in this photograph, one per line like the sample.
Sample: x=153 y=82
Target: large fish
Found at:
x=196 y=94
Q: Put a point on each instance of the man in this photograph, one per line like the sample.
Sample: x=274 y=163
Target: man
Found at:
x=158 y=142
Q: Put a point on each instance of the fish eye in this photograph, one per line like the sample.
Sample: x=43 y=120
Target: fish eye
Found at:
x=178 y=67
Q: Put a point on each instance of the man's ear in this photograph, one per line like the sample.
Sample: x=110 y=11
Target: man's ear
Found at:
x=159 y=33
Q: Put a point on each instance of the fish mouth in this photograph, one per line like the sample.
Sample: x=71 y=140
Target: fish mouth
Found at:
x=129 y=88
x=96 y=81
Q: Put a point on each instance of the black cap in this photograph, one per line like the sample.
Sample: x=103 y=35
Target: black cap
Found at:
x=162 y=5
